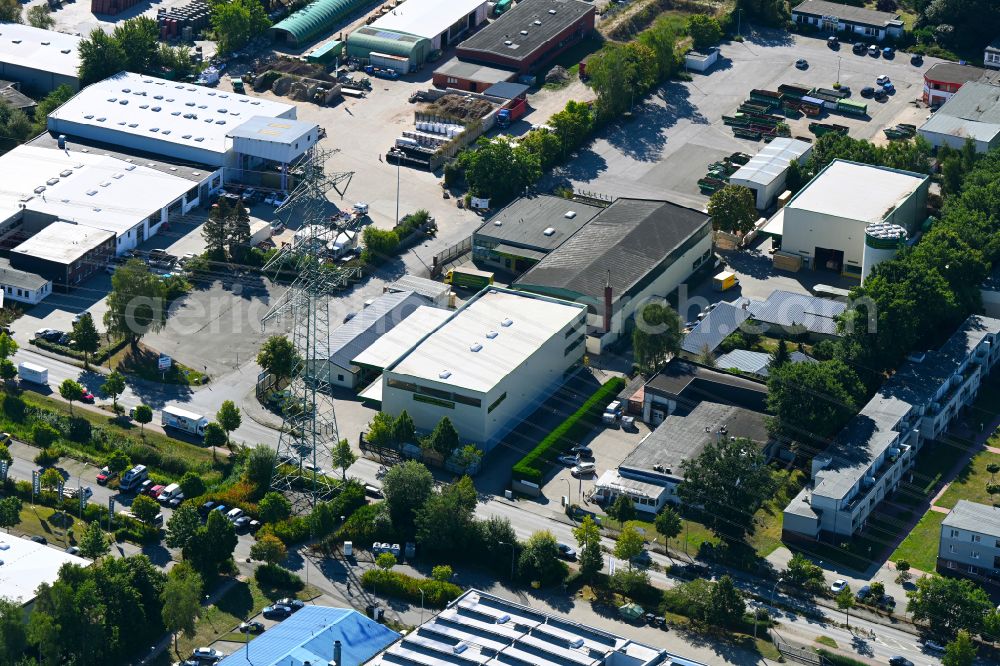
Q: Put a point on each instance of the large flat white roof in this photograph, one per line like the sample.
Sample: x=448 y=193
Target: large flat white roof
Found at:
x=426 y=18
x=63 y=242
x=856 y=191
x=168 y=111
x=393 y=344
x=772 y=162
x=510 y=326
x=27 y=564
x=44 y=50
x=87 y=188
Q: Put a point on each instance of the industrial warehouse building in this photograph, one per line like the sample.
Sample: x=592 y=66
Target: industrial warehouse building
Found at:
x=875 y=451
x=182 y=121
x=470 y=76
x=488 y=365
x=315 y=19
x=972 y=113
x=527 y=229
x=40 y=60
x=65 y=253
x=766 y=172
x=528 y=36
x=826 y=230
x=632 y=251
x=840 y=17
x=415 y=29
x=26 y=565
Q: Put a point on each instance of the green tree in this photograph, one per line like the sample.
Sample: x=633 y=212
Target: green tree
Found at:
x=630 y=544
x=445 y=520
x=94 y=543
x=118 y=461
x=572 y=125
x=961 y=651
x=212 y=545
x=803 y=572
x=85 y=336
x=50 y=479
x=274 y=507
x=50 y=103
x=668 y=524
x=442 y=573
x=113 y=386
x=876 y=590
x=468 y=458
x=343 y=457
x=43 y=435
x=43 y=633
x=238 y=231
x=71 y=391
x=733 y=209
x=661 y=38
x=845 y=602
x=138 y=38
x=182 y=526
x=444 y=438
x=13 y=633
x=379 y=245
x=229 y=418
x=268 y=548
x=780 y=356
x=8 y=347
x=142 y=414
x=728 y=482
x=705 y=31
x=656 y=336
x=499 y=170
x=948 y=605
x=236 y=22
x=406 y=487
x=403 y=429
x=588 y=538
x=813 y=400
x=619 y=73
x=261 y=463
x=181 y=599
x=725 y=604
x=539 y=560
x=545 y=145
x=136 y=302
x=192 y=485
x=101 y=56
x=214 y=231
x=215 y=436
x=385 y=561
x=8 y=371
x=278 y=356
x=145 y=509
x=10 y=11
x=623 y=509
x=10 y=512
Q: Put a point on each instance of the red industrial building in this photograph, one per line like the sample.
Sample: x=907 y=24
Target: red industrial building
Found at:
x=945 y=78
x=529 y=35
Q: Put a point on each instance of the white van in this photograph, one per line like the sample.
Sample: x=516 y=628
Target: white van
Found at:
x=168 y=493
x=584 y=469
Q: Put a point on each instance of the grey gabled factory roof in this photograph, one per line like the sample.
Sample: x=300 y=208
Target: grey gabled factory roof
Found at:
x=792 y=311
x=755 y=363
x=972 y=112
x=525 y=221
x=717 y=324
x=974 y=517
x=630 y=238
x=13 y=277
x=350 y=339
x=552 y=16
x=846 y=12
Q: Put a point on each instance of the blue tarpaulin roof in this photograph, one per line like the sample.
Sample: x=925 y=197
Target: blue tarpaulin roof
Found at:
x=308 y=636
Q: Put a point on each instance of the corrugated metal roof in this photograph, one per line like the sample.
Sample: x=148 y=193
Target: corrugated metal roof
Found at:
x=713 y=329
x=791 y=310
x=772 y=162
x=629 y=238
x=308 y=636
x=756 y=363
x=350 y=339
x=318 y=17
x=973 y=112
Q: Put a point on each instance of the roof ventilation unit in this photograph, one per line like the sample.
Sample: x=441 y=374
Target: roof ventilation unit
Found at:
x=537 y=22
x=570 y=214
x=66 y=51
x=492 y=334
x=52 y=181
x=552 y=11
x=549 y=231
x=497 y=223
x=444 y=374
x=524 y=32
x=66 y=172
x=475 y=347
x=39 y=189
x=507 y=322
x=507 y=42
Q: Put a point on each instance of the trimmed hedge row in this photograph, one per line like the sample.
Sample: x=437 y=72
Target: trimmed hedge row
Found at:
x=394 y=584
x=568 y=433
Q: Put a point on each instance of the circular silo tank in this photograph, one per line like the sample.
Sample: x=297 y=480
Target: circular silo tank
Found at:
x=882 y=241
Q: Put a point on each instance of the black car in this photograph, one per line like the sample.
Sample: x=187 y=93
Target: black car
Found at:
x=205 y=508
x=567 y=553
x=40 y=539
x=881 y=95
x=916 y=59
x=584 y=452
x=868 y=91
x=242 y=524
x=293 y=604
x=899 y=661
x=859 y=48
x=276 y=612
x=251 y=627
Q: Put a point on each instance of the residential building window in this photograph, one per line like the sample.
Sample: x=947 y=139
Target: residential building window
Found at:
x=951 y=548
x=972 y=569
x=340 y=378
x=976 y=538
x=452 y=79
x=975 y=554
x=951 y=565
x=954 y=534
x=496 y=403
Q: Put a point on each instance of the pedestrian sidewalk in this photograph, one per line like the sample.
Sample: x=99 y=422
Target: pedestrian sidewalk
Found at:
x=257 y=412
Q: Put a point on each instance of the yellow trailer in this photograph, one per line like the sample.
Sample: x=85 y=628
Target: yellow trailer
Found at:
x=724 y=280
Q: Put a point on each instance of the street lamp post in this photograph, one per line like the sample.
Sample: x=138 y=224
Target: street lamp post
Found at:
x=569 y=495
x=421 y=605
x=739 y=22
x=397 y=154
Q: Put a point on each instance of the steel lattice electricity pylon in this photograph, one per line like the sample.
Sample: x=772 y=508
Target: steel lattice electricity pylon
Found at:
x=309 y=432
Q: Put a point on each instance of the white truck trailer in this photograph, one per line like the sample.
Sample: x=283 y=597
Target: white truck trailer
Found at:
x=183 y=420
x=36 y=374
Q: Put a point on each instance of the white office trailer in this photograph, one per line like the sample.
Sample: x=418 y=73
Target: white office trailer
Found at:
x=184 y=121
x=489 y=365
x=40 y=60
x=767 y=171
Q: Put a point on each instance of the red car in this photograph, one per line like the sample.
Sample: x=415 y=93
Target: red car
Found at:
x=155 y=491
x=87 y=396
x=104 y=476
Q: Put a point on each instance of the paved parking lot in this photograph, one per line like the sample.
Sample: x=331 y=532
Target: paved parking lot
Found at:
x=665 y=150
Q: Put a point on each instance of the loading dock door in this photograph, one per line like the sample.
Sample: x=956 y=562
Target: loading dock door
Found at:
x=829 y=260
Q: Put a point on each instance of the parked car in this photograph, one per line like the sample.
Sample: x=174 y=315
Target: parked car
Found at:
x=628 y=424
x=276 y=612
x=253 y=627
x=144 y=487
x=643 y=559
x=880 y=95
x=568 y=461
x=882 y=79
x=933 y=646
x=39 y=539
x=5 y=438
x=863 y=593
x=154 y=491
x=73 y=550
x=221 y=508
x=206 y=654
x=584 y=469
x=242 y=524
x=874 y=51
x=889 y=52
x=205 y=508
x=887 y=602
x=838 y=585
x=889 y=88
x=833 y=42
x=858 y=48
x=48 y=334
x=293 y=604
x=373 y=491
x=916 y=59
x=234 y=514
x=899 y=661
x=802 y=63
x=105 y=475
x=582 y=451
x=567 y=553
x=867 y=91
x=87 y=397
x=253 y=526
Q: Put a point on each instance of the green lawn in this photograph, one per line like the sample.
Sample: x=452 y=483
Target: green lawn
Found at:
x=827 y=641
x=920 y=547
x=972 y=481
x=37 y=521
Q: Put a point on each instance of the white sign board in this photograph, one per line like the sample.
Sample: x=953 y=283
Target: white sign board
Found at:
x=164 y=363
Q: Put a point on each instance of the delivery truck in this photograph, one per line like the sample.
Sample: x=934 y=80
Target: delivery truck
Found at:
x=36 y=374
x=183 y=420
x=469 y=277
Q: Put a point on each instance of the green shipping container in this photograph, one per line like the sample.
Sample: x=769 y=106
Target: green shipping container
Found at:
x=852 y=107
x=326 y=54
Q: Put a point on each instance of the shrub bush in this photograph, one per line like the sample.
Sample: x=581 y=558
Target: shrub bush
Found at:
x=47 y=457
x=79 y=430
x=567 y=433
x=291 y=531
x=368 y=524
x=395 y=584
x=43 y=435
x=273 y=575
x=14 y=408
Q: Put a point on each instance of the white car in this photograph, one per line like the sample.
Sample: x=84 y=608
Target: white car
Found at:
x=206 y=653
x=309 y=467
x=838 y=585
x=584 y=469
x=269 y=199
x=882 y=80
x=280 y=199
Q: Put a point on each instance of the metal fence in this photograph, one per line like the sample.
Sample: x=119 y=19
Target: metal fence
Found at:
x=794 y=653
x=448 y=255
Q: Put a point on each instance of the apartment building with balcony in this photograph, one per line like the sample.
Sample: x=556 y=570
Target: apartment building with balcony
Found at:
x=969 y=545
x=874 y=452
